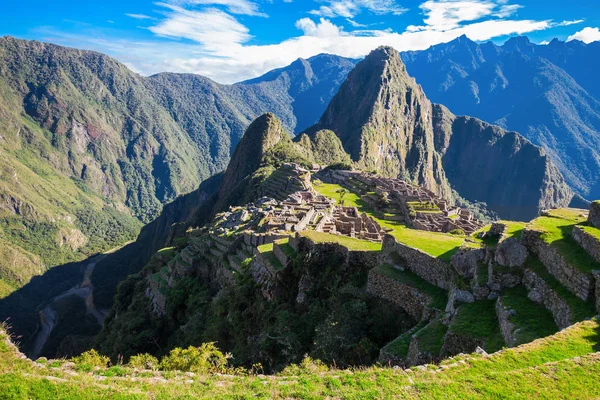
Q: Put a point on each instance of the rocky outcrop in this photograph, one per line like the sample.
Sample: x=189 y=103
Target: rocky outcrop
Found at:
x=580 y=283
x=466 y=261
x=589 y=242
x=594 y=218
x=511 y=253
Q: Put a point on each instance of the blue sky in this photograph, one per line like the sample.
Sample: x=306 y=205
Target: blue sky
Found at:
x=232 y=40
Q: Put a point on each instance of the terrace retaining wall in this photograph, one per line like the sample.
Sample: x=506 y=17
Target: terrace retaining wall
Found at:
x=589 y=242
x=541 y=293
x=579 y=283
x=432 y=269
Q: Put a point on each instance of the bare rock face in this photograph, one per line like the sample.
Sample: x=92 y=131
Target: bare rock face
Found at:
x=511 y=253
x=594 y=218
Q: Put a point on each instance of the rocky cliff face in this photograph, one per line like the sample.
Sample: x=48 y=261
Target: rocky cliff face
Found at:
x=386 y=123
x=383 y=119
x=485 y=163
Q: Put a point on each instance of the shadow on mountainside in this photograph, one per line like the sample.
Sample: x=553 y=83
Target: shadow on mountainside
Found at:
x=22 y=308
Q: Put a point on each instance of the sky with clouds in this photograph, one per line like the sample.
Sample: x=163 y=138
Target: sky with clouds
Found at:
x=233 y=40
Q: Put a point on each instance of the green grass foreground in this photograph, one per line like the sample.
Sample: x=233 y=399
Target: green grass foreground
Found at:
x=440 y=245
x=565 y=365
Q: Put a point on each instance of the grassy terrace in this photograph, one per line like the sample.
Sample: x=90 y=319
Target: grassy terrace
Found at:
x=348 y=242
x=513 y=229
x=431 y=337
x=399 y=347
x=440 y=245
x=579 y=308
x=532 y=320
x=557 y=230
x=439 y=296
x=478 y=320
x=595 y=232
x=267 y=251
x=561 y=366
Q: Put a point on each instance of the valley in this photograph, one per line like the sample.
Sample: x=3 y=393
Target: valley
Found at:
x=324 y=230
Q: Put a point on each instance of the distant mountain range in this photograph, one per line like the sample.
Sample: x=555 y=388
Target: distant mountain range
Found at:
x=548 y=93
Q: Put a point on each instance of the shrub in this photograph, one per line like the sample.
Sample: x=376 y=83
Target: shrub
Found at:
x=308 y=366
x=457 y=232
x=143 y=361
x=204 y=359
x=91 y=359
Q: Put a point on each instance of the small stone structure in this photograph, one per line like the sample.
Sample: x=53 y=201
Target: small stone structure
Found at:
x=541 y=293
x=594 y=218
x=508 y=329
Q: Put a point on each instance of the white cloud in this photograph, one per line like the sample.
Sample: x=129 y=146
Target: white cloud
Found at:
x=139 y=16
x=442 y=15
x=586 y=35
x=351 y=8
x=215 y=44
x=244 y=7
x=324 y=29
x=212 y=28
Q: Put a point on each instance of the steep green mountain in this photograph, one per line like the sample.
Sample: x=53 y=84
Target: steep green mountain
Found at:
x=91 y=148
x=386 y=124
x=545 y=92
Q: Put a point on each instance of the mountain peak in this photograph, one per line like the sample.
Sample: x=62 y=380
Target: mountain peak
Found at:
x=383 y=120
x=518 y=43
x=262 y=134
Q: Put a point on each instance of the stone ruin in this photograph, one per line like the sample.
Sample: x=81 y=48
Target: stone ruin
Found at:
x=405 y=202
x=301 y=211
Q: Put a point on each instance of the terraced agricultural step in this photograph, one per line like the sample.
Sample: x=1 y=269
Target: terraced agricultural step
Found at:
x=426 y=344
x=546 y=290
x=550 y=238
x=396 y=351
x=473 y=325
x=522 y=320
x=413 y=294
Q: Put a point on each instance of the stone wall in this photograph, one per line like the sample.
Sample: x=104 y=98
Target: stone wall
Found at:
x=431 y=269
x=408 y=298
x=579 y=283
x=541 y=293
x=280 y=254
x=594 y=217
x=507 y=328
x=589 y=242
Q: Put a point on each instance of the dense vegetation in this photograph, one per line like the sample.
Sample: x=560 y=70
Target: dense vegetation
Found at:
x=339 y=323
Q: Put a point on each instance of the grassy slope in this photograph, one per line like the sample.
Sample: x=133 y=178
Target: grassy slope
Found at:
x=560 y=366
x=436 y=244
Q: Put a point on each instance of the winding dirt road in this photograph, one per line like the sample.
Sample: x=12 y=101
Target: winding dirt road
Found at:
x=48 y=317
